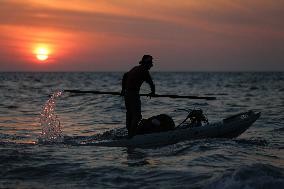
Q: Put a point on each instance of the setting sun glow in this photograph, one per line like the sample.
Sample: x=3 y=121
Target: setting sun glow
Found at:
x=42 y=54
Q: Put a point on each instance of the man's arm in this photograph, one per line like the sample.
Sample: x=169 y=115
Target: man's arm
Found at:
x=123 y=83
x=150 y=82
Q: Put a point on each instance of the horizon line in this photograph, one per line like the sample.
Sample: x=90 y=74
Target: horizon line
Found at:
x=162 y=71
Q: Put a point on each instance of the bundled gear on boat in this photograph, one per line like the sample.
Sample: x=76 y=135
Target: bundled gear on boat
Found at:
x=163 y=122
x=155 y=124
x=195 y=118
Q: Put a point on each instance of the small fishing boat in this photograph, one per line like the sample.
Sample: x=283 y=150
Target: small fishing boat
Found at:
x=230 y=127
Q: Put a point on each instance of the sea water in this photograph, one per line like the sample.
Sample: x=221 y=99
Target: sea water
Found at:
x=39 y=132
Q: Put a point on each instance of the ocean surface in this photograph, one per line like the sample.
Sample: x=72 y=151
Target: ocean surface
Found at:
x=253 y=160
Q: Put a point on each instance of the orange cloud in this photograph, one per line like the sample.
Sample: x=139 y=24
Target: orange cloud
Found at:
x=89 y=31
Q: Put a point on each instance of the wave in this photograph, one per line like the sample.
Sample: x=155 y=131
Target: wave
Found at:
x=256 y=176
x=11 y=107
x=279 y=129
x=252 y=141
x=4 y=136
x=113 y=134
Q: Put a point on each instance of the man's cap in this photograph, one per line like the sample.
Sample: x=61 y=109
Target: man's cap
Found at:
x=146 y=59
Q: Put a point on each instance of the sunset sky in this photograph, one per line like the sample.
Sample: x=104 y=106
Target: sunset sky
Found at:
x=113 y=35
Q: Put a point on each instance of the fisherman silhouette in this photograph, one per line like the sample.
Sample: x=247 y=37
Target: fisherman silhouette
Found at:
x=131 y=83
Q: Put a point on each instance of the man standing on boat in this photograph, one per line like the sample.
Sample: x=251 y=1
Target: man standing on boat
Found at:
x=131 y=84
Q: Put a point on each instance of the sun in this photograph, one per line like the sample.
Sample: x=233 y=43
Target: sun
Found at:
x=42 y=54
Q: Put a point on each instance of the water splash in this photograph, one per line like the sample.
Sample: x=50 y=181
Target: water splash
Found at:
x=51 y=129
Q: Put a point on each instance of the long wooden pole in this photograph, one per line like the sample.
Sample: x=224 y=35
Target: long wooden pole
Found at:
x=156 y=95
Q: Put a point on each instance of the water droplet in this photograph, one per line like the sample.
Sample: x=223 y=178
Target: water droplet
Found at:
x=51 y=129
